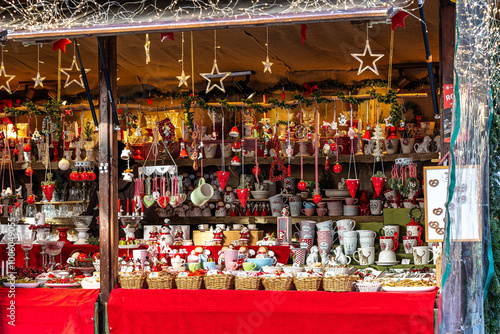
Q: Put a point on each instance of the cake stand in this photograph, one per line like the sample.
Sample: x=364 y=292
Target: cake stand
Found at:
x=82 y=224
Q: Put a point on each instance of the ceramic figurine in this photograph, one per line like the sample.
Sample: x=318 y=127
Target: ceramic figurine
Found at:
x=178 y=235
x=130 y=266
x=138 y=266
x=325 y=258
x=437 y=141
x=342 y=185
x=340 y=257
x=369 y=148
x=424 y=146
x=129 y=232
x=154 y=234
x=147 y=265
x=218 y=236
x=123 y=265
x=244 y=235
x=313 y=257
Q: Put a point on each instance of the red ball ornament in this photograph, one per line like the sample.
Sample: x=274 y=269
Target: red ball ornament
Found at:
x=302 y=185
x=74 y=176
x=317 y=198
x=333 y=147
x=92 y=176
x=31 y=199
x=256 y=170
x=84 y=176
x=27 y=148
x=28 y=171
x=337 y=168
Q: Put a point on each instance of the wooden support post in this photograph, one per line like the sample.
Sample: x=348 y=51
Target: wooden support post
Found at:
x=108 y=177
x=447 y=13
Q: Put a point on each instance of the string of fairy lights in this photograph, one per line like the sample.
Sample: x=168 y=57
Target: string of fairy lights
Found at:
x=33 y=15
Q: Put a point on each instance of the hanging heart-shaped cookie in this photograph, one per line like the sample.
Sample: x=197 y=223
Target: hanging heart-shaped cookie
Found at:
x=148 y=201
x=163 y=201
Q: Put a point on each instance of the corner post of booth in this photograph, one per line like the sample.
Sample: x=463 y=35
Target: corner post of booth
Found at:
x=108 y=175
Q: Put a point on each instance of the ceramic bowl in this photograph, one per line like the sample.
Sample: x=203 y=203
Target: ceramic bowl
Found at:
x=260 y=194
x=271 y=269
x=336 y=193
x=292 y=270
x=261 y=262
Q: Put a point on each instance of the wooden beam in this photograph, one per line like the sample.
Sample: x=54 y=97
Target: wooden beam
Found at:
x=108 y=176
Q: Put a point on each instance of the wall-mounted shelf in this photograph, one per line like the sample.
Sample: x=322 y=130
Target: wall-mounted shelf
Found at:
x=51 y=221
x=265 y=219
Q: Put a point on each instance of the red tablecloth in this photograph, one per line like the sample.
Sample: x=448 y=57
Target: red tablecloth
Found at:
x=253 y=312
x=282 y=253
x=46 y=310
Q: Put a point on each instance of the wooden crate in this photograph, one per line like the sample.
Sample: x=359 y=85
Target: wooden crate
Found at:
x=199 y=237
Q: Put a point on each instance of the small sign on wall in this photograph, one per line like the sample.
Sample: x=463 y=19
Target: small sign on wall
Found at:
x=448 y=96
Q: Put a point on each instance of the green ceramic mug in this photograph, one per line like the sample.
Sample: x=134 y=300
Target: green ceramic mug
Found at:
x=194 y=266
x=202 y=194
x=249 y=266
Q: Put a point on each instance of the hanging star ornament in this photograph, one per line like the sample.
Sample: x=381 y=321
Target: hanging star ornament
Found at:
x=183 y=78
x=215 y=70
x=38 y=80
x=61 y=45
x=5 y=79
x=369 y=58
x=398 y=20
x=73 y=75
x=267 y=65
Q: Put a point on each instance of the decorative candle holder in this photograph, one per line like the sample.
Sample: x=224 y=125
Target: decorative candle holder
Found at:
x=82 y=224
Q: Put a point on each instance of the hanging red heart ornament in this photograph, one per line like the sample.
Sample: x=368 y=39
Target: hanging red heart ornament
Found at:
x=378 y=184
x=302 y=185
x=162 y=201
x=337 y=168
x=223 y=178
x=352 y=185
x=48 y=190
x=243 y=195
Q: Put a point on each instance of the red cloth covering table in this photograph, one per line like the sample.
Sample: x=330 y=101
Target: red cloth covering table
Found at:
x=254 y=312
x=282 y=253
x=47 y=310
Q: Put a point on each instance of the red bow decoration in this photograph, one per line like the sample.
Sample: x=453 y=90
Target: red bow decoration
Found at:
x=61 y=45
x=309 y=89
x=398 y=20
x=169 y=35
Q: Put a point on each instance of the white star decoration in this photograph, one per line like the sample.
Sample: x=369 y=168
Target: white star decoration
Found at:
x=38 y=80
x=361 y=57
x=267 y=65
x=215 y=70
x=69 y=72
x=183 y=78
x=4 y=82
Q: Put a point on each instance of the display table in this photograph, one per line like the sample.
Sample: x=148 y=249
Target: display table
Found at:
x=230 y=311
x=282 y=253
x=47 y=310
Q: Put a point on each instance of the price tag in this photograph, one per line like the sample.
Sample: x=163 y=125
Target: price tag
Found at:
x=242 y=274
x=183 y=274
x=155 y=274
x=405 y=261
x=301 y=275
x=329 y=274
x=212 y=272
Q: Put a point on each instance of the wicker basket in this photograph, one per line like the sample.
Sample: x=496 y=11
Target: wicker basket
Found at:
x=189 y=282
x=368 y=287
x=219 y=282
x=340 y=283
x=310 y=283
x=161 y=282
x=132 y=281
x=248 y=283
x=282 y=283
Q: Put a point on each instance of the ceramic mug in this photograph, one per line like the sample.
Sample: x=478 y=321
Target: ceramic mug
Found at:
x=309 y=205
x=366 y=238
x=334 y=208
x=252 y=226
x=366 y=256
x=421 y=255
x=304 y=235
x=390 y=195
x=202 y=194
x=231 y=265
x=289 y=184
x=350 y=242
x=194 y=266
x=308 y=212
x=344 y=225
x=387 y=256
x=324 y=240
x=325 y=226
x=276 y=205
x=351 y=201
x=249 y=266
x=389 y=230
x=295 y=209
x=230 y=255
x=413 y=230
x=209 y=265
x=351 y=210
x=409 y=243
x=237 y=226
x=222 y=226
x=298 y=256
x=203 y=227
x=321 y=205
x=376 y=207
x=306 y=225
x=408 y=204
x=306 y=243
x=321 y=211
x=388 y=243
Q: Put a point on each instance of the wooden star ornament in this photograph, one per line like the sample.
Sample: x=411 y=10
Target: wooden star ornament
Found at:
x=215 y=70
x=365 y=58
x=5 y=79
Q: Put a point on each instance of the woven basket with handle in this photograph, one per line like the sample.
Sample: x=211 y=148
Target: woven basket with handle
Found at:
x=132 y=281
x=310 y=283
x=282 y=283
x=339 y=283
x=219 y=282
x=189 y=282
x=248 y=283
x=161 y=282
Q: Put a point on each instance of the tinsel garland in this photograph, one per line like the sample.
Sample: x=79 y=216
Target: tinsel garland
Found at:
x=492 y=304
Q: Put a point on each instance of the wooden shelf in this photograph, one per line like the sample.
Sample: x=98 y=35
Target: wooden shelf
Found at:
x=265 y=219
x=58 y=203
x=51 y=221
x=309 y=160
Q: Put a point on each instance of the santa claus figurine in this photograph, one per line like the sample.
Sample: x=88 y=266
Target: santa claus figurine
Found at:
x=178 y=236
x=244 y=235
x=262 y=253
x=153 y=235
x=218 y=236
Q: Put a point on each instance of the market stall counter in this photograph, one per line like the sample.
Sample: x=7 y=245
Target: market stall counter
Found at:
x=47 y=310
x=231 y=311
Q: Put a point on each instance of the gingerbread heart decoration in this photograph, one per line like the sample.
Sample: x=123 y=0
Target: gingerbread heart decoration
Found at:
x=163 y=201
x=148 y=201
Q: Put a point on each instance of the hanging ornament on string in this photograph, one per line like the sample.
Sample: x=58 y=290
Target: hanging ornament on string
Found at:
x=352 y=184
x=317 y=197
x=147 y=48
x=38 y=79
x=61 y=45
x=267 y=64
x=215 y=70
x=367 y=61
x=378 y=136
x=183 y=78
x=165 y=35
x=5 y=78
x=73 y=73
x=398 y=20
